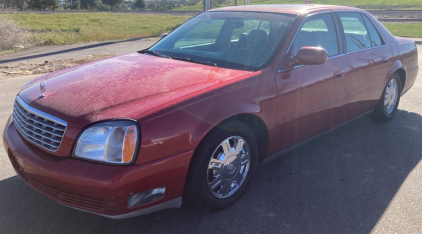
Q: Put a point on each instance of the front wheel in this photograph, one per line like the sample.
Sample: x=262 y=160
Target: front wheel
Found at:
x=222 y=166
x=390 y=98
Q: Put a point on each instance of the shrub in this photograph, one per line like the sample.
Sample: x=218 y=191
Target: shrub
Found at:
x=10 y=34
x=54 y=40
x=191 y=3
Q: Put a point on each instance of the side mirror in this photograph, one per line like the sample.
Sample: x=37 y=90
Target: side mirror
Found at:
x=163 y=35
x=308 y=55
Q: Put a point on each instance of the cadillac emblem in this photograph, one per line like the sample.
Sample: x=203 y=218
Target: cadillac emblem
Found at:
x=42 y=89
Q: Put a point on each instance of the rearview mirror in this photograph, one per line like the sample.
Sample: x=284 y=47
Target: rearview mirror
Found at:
x=308 y=55
x=163 y=35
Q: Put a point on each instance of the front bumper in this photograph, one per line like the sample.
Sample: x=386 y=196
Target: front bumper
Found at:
x=97 y=188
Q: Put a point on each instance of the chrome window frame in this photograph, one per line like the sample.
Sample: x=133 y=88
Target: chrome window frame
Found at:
x=370 y=48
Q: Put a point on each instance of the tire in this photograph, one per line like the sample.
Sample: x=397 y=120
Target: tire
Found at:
x=389 y=101
x=221 y=169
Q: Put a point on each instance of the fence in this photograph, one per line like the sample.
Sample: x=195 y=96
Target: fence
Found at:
x=406 y=15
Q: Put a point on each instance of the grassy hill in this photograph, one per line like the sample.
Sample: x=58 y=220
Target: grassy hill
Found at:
x=373 y=4
x=54 y=29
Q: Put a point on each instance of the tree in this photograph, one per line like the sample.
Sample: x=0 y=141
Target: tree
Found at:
x=76 y=5
x=19 y=4
x=139 y=4
x=65 y=5
x=34 y=4
x=161 y=6
x=53 y=4
x=151 y=6
x=92 y=3
x=42 y=4
x=112 y=3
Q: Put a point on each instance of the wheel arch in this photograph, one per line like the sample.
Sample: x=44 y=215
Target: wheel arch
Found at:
x=259 y=128
x=402 y=73
x=397 y=68
x=257 y=125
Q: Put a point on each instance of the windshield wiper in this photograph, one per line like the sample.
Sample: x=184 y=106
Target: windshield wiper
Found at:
x=178 y=58
x=195 y=61
x=154 y=53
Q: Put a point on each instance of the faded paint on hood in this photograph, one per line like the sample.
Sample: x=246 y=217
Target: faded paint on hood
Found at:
x=121 y=87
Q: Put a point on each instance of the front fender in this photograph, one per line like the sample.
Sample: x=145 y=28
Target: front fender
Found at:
x=182 y=126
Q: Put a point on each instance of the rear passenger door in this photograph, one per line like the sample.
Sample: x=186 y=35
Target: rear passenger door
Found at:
x=311 y=97
x=369 y=59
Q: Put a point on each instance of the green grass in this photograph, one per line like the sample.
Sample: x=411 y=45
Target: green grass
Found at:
x=373 y=4
x=405 y=29
x=54 y=29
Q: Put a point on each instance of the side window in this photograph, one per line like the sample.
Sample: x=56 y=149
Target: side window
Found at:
x=357 y=36
x=373 y=32
x=318 y=31
x=197 y=36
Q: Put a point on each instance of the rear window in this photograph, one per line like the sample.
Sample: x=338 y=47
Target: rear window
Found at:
x=357 y=36
x=375 y=37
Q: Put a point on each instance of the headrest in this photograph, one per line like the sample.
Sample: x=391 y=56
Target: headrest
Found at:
x=257 y=37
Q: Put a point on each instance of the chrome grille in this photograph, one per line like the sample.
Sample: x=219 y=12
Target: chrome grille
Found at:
x=38 y=127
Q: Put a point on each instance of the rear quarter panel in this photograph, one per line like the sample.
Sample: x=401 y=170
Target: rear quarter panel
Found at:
x=404 y=54
x=408 y=55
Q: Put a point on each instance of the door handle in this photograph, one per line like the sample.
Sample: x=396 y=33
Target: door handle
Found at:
x=339 y=73
x=385 y=60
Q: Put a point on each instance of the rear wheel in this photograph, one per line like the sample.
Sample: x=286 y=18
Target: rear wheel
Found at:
x=390 y=98
x=222 y=166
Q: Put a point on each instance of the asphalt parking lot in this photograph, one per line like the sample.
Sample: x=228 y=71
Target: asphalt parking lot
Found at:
x=363 y=177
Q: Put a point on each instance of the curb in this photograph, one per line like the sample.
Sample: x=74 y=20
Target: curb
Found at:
x=26 y=57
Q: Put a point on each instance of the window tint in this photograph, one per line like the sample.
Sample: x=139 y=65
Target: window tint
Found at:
x=318 y=31
x=235 y=40
x=357 y=36
x=205 y=32
x=373 y=33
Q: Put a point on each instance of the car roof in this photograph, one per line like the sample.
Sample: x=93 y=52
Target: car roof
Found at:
x=297 y=9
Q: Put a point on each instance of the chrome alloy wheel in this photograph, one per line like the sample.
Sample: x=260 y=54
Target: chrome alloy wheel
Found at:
x=390 y=97
x=228 y=166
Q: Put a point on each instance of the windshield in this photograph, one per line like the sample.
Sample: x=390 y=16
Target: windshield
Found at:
x=236 y=40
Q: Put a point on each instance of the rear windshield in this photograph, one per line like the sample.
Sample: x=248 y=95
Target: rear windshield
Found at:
x=236 y=40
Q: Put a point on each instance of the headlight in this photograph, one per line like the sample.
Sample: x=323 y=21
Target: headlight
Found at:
x=110 y=142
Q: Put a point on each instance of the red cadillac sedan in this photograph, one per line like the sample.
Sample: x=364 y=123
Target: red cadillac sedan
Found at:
x=190 y=118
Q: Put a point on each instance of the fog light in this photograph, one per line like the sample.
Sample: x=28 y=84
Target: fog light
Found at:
x=145 y=197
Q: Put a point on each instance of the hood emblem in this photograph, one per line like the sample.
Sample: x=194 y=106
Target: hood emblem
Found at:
x=42 y=89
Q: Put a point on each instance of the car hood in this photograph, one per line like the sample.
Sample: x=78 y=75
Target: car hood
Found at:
x=120 y=87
